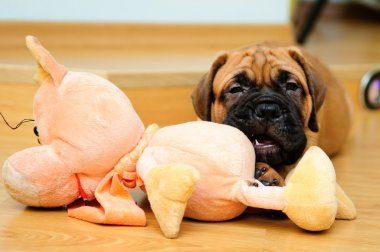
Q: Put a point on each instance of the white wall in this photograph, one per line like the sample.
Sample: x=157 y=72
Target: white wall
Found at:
x=147 y=11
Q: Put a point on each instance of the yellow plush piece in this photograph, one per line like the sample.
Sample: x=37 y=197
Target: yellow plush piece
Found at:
x=312 y=205
x=94 y=147
x=169 y=188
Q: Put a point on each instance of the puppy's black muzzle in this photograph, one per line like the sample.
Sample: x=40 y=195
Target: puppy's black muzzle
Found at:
x=273 y=124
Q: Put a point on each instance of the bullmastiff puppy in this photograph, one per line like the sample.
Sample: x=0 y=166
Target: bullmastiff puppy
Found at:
x=282 y=98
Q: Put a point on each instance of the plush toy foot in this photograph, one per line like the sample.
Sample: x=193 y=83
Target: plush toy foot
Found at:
x=346 y=208
x=18 y=186
x=169 y=187
x=311 y=192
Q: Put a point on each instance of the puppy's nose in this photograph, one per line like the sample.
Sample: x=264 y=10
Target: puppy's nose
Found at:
x=267 y=111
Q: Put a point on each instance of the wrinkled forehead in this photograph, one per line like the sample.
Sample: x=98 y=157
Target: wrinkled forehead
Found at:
x=261 y=64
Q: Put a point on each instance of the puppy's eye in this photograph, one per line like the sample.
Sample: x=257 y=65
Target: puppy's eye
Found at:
x=235 y=89
x=292 y=85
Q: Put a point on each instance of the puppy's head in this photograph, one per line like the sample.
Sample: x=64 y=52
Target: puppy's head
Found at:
x=270 y=93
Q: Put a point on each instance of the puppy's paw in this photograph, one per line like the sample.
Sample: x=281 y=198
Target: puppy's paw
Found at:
x=267 y=175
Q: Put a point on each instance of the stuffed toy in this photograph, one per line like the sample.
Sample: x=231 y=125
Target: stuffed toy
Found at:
x=94 y=147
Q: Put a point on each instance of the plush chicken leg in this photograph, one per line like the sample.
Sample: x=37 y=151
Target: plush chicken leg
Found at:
x=169 y=187
x=310 y=192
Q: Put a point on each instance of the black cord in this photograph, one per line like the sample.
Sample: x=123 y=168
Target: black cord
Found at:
x=18 y=125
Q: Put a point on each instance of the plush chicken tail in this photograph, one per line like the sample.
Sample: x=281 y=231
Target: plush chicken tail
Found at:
x=47 y=65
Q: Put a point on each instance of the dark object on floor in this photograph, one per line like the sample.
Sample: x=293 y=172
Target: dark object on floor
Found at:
x=370 y=89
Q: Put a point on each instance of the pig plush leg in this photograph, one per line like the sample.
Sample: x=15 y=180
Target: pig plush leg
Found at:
x=28 y=183
x=168 y=188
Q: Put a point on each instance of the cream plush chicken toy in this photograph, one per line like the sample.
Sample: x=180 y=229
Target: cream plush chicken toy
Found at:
x=94 y=147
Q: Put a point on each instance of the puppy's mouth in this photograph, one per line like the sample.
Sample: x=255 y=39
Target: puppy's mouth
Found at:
x=263 y=142
x=265 y=146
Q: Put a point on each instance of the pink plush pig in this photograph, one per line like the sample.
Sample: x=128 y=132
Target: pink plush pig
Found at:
x=85 y=125
x=94 y=146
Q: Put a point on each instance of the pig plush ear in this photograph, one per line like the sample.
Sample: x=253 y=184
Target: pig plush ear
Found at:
x=47 y=66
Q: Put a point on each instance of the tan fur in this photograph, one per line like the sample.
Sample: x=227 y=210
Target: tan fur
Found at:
x=270 y=174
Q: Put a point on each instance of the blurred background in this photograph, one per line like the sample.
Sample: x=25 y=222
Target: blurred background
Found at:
x=350 y=27
x=150 y=44
x=157 y=50
x=148 y=11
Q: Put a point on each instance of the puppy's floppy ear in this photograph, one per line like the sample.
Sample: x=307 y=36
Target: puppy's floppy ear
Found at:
x=315 y=82
x=203 y=95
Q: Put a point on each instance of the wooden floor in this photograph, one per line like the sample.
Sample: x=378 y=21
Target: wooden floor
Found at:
x=357 y=166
